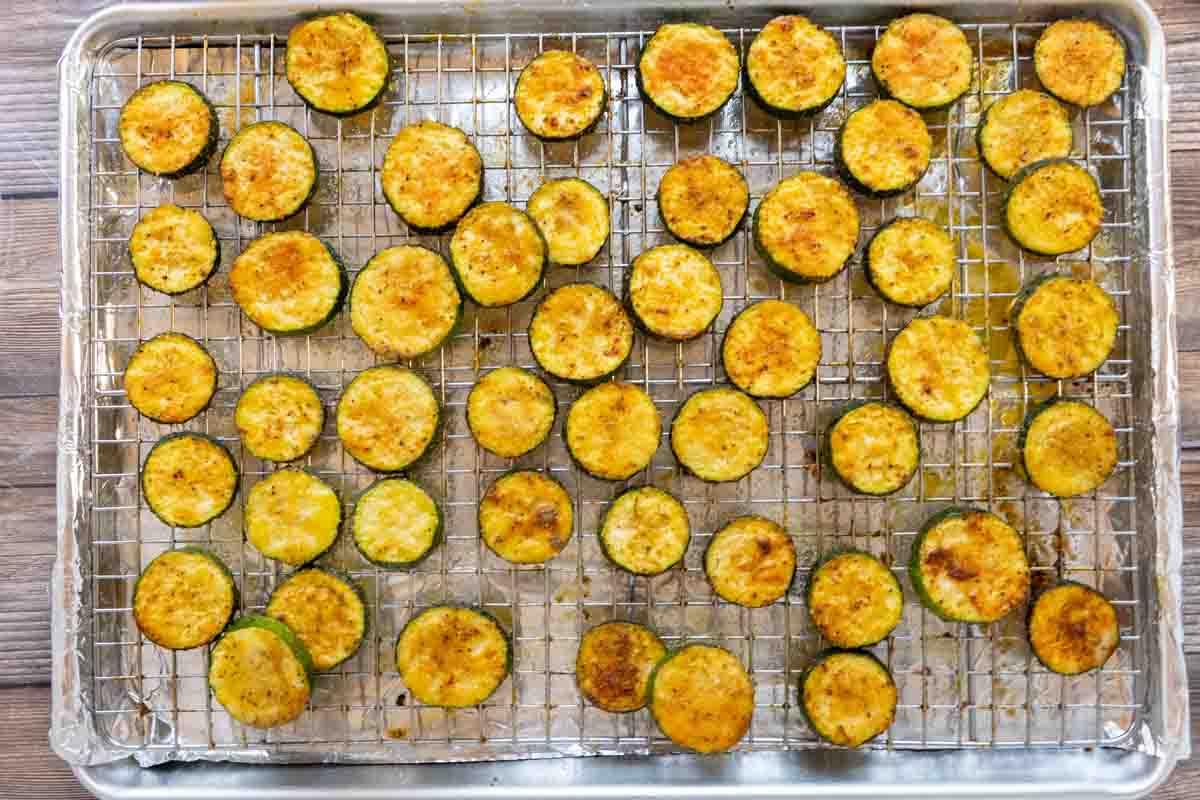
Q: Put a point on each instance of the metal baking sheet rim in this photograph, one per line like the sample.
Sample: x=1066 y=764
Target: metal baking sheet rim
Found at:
x=972 y=773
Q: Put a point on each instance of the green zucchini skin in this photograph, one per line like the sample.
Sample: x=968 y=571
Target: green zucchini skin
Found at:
x=435 y=538
x=294 y=71
x=622 y=562
x=255 y=443
x=140 y=267
x=354 y=447
x=191 y=412
x=240 y=702
x=711 y=106
x=782 y=26
x=176 y=523
x=1046 y=150
x=321 y=620
x=1102 y=447
x=234 y=193
x=565 y=62
x=716 y=710
x=231 y=583
x=572 y=300
x=812 y=602
x=1074 y=663
x=892 y=43
x=482 y=615
x=870 y=266
x=242 y=286
x=920 y=141
x=201 y=158
x=827 y=445
x=602 y=665
x=1105 y=45
x=1026 y=294
x=889 y=704
x=1015 y=185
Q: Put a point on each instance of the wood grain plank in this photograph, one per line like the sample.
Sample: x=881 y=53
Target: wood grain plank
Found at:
x=31 y=770
x=27 y=441
x=1181 y=24
x=27 y=549
x=29 y=269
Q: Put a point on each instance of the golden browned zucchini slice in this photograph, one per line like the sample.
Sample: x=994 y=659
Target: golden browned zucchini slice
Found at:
x=614 y=663
x=170 y=378
x=510 y=411
x=938 y=368
x=720 y=434
x=337 y=63
x=874 y=447
x=404 y=302
x=848 y=697
x=184 y=598
x=395 y=523
x=573 y=218
x=580 y=333
x=526 y=517
x=261 y=672
x=923 y=60
x=1080 y=61
x=1073 y=629
x=674 y=292
x=1053 y=207
x=1068 y=447
x=498 y=254
x=794 y=68
x=883 y=149
x=751 y=562
x=806 y=228
x=1021 y=128
x=453 y=657
x=288 y=282
x=173 y=250
x=325 y=609
x=702 y=698
x=702 y=200
x=559 y=95
x=613 y=431
x=387 y=418
x=431 y=175
x=771 y=349
x=189 y=479
x=1065 y=327
x=645 y=531
x=854 y=600
x=268 y=172
x=279 y=417
x=688 y=71
x=292 y=516
x=910 y=261
x=168 y=128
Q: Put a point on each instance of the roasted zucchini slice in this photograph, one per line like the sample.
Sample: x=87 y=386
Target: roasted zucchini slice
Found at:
x=510 y=411
x=559 y=95
x=674 y=292
x=924 y=61
x=702 y=200
x=874 y=447
x=688 y=71
x=453 y=657
x=526 y=517
x=1080 y=61
x=848 y=697
x=404 y=302
x=387 y=418
x=806 y=228
x=261 y=672
x=173 y=250
x=1073 y=629
x=337 y=63
x=1020 y=129
x=702 y=698
x=614 y=663
x=498 y=254
x=292 y=516
x=268 y=172
x=1053 y=207
x=184 y=598
x=170 y=378
x=854 y=600
x=431 y=175
x=751 y=562
x=573 y=218
x=279 y=417
x=883 y=149
x=325 y=609
x=938 y=368
x=1066 y=327
x=968 y=565
x=910 y=261
x=1068 y=447
x=719 y=434
x=189 y=479
x=580 y=333
x=288 y=282
x=168 y=128
x=793 y=67
x=771 y=349
x=613 y=431
x=395 y=523
x=645 y=531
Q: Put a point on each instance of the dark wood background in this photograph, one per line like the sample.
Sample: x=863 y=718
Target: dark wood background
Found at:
x=32 y=34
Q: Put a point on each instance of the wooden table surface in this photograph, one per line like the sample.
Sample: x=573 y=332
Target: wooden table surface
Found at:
x=33 y=34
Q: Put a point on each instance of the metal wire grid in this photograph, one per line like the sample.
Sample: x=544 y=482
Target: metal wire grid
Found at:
x=959 y=685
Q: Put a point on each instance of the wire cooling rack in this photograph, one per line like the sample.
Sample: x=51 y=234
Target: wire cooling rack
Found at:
x=959 y=685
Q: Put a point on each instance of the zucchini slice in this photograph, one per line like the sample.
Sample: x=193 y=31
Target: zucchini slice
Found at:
x=771 y=349
x=645 y=531
x=431 y=175
x=268 y=172
x=968 y=565
x=580 y=333
x=938 y=368
x=326 y=610
x=1066 y=327
x=924 y=61
x=498 y=254
x=614 y=664
x=559 y=95
x=1080 y=61
x=750 y=562
x=279 y=417
x=720 y=434
x=613 y=431
x=573 y=218
x=510 y=411
x=261 y=672
x=806 y=228
x=793 y=67
x=337 y=63
x=702 y=200
x=173 y=250
x=189 y=479
x=387 y=418
x=168 y=128
x=1020 y=129
x=702 y=698
x=404 y=302
x=1073 y=629
x=170 y=378
x=688 y=71
x=1068 y=447
x=854 y=600
x=874 y=447
x=848 y=697
x=1053 y=207
x=883 y=149
x=292 y=516
x=910 y=261
x=184 y=598
x=526 y=517
x=453 y=657
x=674 y=292
x=288 y=282
x=395 y=523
